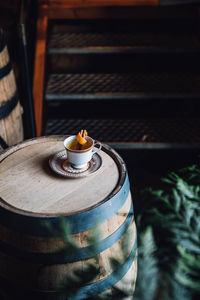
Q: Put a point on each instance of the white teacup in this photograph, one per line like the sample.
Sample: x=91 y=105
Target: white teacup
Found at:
x=80 y=158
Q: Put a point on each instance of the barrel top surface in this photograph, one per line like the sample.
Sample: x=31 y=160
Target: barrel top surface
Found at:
x=28 y=184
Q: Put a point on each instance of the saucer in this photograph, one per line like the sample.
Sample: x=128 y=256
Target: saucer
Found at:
x=60 y=165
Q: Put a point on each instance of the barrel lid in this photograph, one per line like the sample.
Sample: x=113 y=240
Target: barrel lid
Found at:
x=28 y=185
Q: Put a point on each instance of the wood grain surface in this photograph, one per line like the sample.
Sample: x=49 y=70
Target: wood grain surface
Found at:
x=27 y=242
x=27 y=183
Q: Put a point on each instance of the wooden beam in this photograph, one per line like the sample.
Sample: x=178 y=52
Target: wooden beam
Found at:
x=39 y=67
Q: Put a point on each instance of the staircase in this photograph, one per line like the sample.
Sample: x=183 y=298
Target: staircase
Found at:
x=128 y=82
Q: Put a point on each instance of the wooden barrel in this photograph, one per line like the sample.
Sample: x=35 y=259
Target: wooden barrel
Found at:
x=11 y=127
x=35 y=202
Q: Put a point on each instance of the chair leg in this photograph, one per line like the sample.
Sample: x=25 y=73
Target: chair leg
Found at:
x=39 y=69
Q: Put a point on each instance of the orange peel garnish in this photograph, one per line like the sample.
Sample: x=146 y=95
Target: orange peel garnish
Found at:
x=81 y=140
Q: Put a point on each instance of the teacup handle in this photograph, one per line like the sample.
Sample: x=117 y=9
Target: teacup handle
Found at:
x=97 y=143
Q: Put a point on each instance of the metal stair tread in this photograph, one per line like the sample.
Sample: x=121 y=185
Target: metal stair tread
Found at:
x=89 y=42
x=128 y=85
x=164 y=130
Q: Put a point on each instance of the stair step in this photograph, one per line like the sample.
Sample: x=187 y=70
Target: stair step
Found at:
x=138 y=85
x=128 y=132
x=94 y=43
x=125 y=35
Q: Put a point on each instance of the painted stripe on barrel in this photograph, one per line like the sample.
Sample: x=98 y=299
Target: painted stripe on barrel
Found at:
x=62 y=256
x=4 y=71
x=86 y=291
x=79 y=222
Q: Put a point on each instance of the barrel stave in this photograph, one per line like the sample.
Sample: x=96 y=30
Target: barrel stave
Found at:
x=11 y=125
